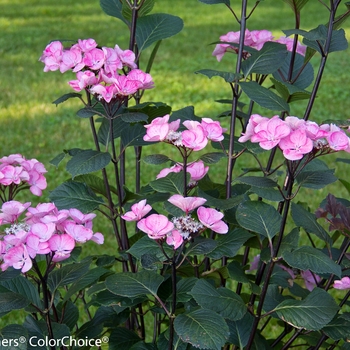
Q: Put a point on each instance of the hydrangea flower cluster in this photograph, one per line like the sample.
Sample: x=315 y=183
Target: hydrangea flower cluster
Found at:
x=295 y=137
x=44 y=230
x=15 y=171
x=254 y=39
x=179 y=229
x=102 y=71
x=195 y=136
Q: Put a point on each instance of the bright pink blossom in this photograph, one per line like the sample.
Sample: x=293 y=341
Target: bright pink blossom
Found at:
x=158 y=129
x=301 y=49
x=187 y=204
x=138 y=211
x=70 y=59
x=145 y=79
x=125 y=85
x=174 y=169
x=269 y=133
x=344 y=283
x=126 y=56
x=112 y=61
x=195 y=137
x=84 y=79
x=338 y=140
x=211 y=218
x=106 y=93
x=296 y=144
x=87 y=44
x=61 y=245
x=98 y=238
x=213 y=129
x=156 y=226
x=254 y=120
x=94 y=59
x=35 y=246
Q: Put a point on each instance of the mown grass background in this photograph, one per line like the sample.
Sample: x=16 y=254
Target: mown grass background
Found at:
x=33 y=126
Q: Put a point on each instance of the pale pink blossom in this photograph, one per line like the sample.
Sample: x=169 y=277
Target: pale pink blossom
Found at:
x=61 y=245
x=17 y=238
x=145 y=79
x=13 y=175
x=138 y=211
x=158 y=129
x=18 y=258
x=295 y=145
x=43 y=231
x=212 y=219
x=11 y=210
x=87 y=44
x=213 y=129
x=269 y=133
x=84 y=79
x=254 y=120
x=80 y=233
x=301 y=49
x=195 y=138
x=125 y=86
x=156 y=226
x=112 y=61
x=98 y=238
x=106 y=93
x=126 y=56
x=187 y=204
x=35 y=246
x=197 y=170
x=338 y=140
x=259 y=38
x=166 y=171
x=52 y=56
x=34 y=215
x=344 y=283
x=70 y=59
x=94 y=59
x=175 y=239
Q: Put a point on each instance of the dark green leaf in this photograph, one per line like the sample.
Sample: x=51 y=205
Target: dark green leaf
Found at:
x=122 y=339
x=290 y=92
x=58 y=159
x=309 y=258
x=152 y=109
x=146 y=7
x=212 y=2
x=12 y=301
x=240 y=330
x=155 y=27
x=156 y=159
x=114 y=8
x=303 y=218
x=222 y=300
x=202 y=328
x=67 y=274
x=133 y=285
x=172 y=183
x=223 y=204
x=133 y=136
x=312 y=313
x=23 y=286
x=259 y=217
x=66 y=97
x=104 y=132
x=134 y=117
x=338 y=329
x=303 y=75
x=316 y=179
x=95 y=183
x=229 y=77
x=86 y=112
x=266 y=61
x=201 y=246
x=263 y=96
x=75 y=195
x=88 y=161
x=257 y=181
x=212 y=158
x=229 y=244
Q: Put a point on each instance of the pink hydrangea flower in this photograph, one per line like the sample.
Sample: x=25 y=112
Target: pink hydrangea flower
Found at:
x=174 y=169
x=158 y=129
x=106 y=93
x=301 y=49
x=344 y=283
x=94 y=59
x=126 y=56
x=10 y=211
x=254 y=120
x=311 y=280
x=295 y=145
x=87 y=44
x=156 y=226
x=338 y=140
x=187 y=204
x=195 y=137
x=43 y=231
x=213 y=129
x=84 y=79
x=35 y=246
x=211 y=218
x=62 y=246
x=175 y=239
x=112 y=61
x=80 y=233
x=18 y=258
x=269 y=133
x=197 y=170
x=138 y=211
x=145 y=79
x=70 y=59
